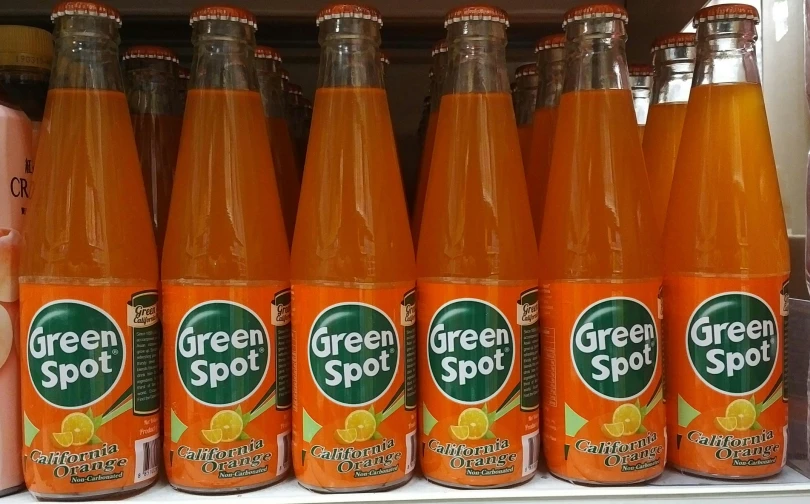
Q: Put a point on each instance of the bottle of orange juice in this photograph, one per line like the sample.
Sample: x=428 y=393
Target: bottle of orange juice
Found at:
x=439 y=71
x=551 y=69
x=90 y=341
x=225 y=277
x=151 y=78
x=726 y=266
x=477 y=275
x=353 y=277
x=641 y=77
x=527 y=80
x=600 y=277
x=268 y=66
x=674 y=64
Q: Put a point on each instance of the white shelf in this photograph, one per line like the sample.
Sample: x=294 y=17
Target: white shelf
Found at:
x=789 y=487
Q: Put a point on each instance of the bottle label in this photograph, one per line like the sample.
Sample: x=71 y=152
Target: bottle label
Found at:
x=228 y=388
x=604 y=419
x=725 y=342
x=479 y=383
x=354 y=407
x=91 y=387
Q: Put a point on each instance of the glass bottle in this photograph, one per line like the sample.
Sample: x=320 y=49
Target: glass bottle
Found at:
x=477 y=271
x=89 y=267
x=384 y=63
x=225 y=272
x=601 y=271
x=151 y=77
x=268 y=70
x=353 y=272
x=726 y=265
x=294 y=112
x=551 y=69
x=641 y=77
x=184 y=76
x=674 y=65
x=527 y=81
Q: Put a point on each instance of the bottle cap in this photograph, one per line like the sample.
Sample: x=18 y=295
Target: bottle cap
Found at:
x=184 y=73
x=640 y=70
x=550 y=42
x=727 y=12
x=595 y=11
x=674 y=40
x=384 y=59
x=264 y=52
x=476 y=13
x=150 y=52
x=285 y=75
x=525 y=70
x=93 y=9
x=223 y=13
x=24 y=46
x=439 y=47
x=337 y=11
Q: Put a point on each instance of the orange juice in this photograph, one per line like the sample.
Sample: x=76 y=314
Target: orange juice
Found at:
x=88 y=281
x=726 y=266
x=551 y=68
x=439 y=70
x=674 y=63
x=477 y=275
x=600 y=276
x=225 y=272
x=641 y=78
x=268 y=66
x=354 y=380
x=526 y=78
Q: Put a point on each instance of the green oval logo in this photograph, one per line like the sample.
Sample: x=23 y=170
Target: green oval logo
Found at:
x=76 y=353
x=732 y=341
x=614 y=348
x=353 y=353
x=222 y=351
x=471 y=350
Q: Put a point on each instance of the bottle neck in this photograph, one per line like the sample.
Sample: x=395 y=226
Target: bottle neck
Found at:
x=641 y=87
x=526 y=98
x=437 y=84
x=476 y=58
x=674 y=68
x=86 y=54
x=271 y=87
x=152 y=87
x=349 y=49
x=596 y=57
x=223 y=56
x=551 y=64
x=726 y=53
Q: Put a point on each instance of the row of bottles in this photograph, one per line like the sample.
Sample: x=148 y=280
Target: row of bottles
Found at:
x=539 y=310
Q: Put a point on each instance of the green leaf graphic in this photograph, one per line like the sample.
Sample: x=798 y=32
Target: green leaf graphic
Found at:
x=245 y=419
x=376 y=435
x=686 y=413
x=484 y=409
x=178 y=428
x=244 y=436
x=573 y=422
x=756 y=426
x=371 y=409
x=311 y=427
x=489 y=435
x=95 y=440
x=239 y=410
x=428 y=421
x=641 y=430
x=30 y=429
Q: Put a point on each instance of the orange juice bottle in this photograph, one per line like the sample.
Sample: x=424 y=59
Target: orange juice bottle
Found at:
x=353 y=277
x=527 y=81
x=151 y=78
x=551 y=69
x=674 y=64
x=225 y=277
x=268 y=66
x=90 y=341
x=439 y=71
x=294 y=113
x=726 y=266
x=600 y=277
x=641 y=77
x=477 y=275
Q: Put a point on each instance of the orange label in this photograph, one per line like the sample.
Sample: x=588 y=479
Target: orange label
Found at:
x=603 y=418
x=91 y=391
x=354 y=380
x=228 y=387
x=725 y=349
x=478 y=383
